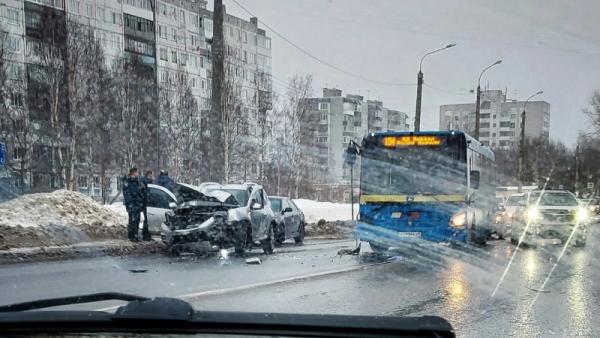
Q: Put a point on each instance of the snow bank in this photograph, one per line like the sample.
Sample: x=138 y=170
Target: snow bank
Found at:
x=314 y=210
x=59 y=207
x=57 y=218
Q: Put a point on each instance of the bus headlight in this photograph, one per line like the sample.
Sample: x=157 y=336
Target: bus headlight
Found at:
x=581 y=215
x=458 y=220
x=533 y=214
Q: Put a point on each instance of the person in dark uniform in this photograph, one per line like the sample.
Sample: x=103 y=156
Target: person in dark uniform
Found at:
x=165 y=181
x=134 y=202
x=147 y=179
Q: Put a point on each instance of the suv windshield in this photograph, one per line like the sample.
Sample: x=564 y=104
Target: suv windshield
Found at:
x=240 y=195
x=275 y=204
x=513 y=201
x=553 y=199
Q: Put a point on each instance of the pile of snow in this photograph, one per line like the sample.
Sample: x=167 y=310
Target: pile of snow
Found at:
x=331 y=212
x=61 y=207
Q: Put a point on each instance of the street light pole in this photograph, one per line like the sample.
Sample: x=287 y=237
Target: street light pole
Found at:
x=477 y=104
x=522 y=142
x=420 y=86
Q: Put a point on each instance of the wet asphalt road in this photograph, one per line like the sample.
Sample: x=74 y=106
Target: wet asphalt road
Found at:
x=456 y=284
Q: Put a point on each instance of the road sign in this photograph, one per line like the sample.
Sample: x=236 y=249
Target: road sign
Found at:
x=2 y=153
x=590 y=185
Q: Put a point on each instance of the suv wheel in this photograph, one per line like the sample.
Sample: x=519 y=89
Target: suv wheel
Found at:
x=268 y=243
x=300 y=237
x=241 y=236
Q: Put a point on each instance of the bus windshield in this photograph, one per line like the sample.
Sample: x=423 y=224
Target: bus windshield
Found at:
x=414 y=170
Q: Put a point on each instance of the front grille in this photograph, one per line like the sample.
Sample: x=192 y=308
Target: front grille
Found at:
x=562 y=216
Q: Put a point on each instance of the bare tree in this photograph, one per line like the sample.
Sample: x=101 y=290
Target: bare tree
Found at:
x=593 y=113
x=235 y=122
x=132 y=91
x=298 y=128
x=16 y=129
x=181 y=118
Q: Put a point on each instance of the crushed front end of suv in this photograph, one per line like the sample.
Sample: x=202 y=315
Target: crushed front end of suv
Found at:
x=220 y=217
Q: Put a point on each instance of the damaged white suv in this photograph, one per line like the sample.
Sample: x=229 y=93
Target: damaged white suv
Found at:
x=237 y=215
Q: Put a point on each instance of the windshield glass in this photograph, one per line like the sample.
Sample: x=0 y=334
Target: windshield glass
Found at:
x=414 y=169
x=553 y=199
x=513 y=201
x=240 y=195
x=275 y=204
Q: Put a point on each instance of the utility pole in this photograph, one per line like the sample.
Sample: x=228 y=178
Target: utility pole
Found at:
x=577 y=171
x=215 y=122
x=522 y=143
x=420 y=86
x=521 y=151
x=477 y=104
x=418 y=108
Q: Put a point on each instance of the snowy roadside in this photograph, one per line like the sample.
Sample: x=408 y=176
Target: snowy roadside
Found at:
x=65 y=223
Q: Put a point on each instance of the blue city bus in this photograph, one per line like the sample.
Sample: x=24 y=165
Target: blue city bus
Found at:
x=424 y=186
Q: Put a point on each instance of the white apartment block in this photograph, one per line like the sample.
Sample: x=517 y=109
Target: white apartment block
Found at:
x=500 y=119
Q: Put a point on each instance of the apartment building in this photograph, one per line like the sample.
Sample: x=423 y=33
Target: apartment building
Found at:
x=384 y=119
x=500 y=119
x=169 y=37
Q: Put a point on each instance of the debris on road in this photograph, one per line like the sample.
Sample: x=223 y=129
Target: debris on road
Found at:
x=253 y=260
x=138 y=270
x=329 y=230
x=352 y=252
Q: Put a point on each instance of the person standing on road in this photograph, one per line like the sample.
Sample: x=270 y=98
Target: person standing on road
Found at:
x=165 y=181
x=147 y=179
x=134 y=202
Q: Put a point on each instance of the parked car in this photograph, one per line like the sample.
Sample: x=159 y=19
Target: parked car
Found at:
x=289 y=220
x=237 y=215
x=550 y=217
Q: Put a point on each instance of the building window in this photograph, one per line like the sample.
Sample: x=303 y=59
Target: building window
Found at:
x=74 y=6
x=321 y=139
x=324 y=117
x=193 y=82
x=484 y=125
x=15 y=72
x=193 y=40
x=16 y=100
x=164 y=55
x=139 y=47
x=268 y=43
x=117 y=19
x=182 y=16
x=183 y=59
x=13 y=17
x=100 y=14
x=14 y=43
x=162 y=31
x=174 y=56
x=484 y=116
x=486 y=105
x=89 y=9
x=245 y=37
x=245 y=57
x=82 y=181
x=162 y=9
x=507 y=133
x=193 y=19
x=173 y=34
x=18 y=153
x=323 y=106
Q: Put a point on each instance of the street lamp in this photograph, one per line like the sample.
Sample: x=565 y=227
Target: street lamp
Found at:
x=420 y=85
x=477 y=105
x=522 y=141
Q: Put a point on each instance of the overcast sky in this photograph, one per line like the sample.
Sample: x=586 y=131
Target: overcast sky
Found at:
x=546 y=45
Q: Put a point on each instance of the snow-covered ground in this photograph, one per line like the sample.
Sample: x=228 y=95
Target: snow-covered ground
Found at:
x=314 y=211
x=61 y=207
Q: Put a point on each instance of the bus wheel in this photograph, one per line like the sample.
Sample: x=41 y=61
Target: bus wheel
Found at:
x=380 y=249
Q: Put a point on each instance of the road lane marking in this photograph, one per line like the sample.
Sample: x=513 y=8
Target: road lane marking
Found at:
x=189 y=296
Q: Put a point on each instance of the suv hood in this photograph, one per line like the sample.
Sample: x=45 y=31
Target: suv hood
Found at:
x=192 y=195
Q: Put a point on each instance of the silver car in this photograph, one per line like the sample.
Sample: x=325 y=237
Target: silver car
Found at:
x=550 y=217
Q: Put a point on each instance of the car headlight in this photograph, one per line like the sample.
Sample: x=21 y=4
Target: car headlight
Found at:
x=581 y=215
x=533 y=214
x=458 y=220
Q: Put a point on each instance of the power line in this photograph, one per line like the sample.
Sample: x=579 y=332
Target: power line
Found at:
x=445 y=91
x=385 y=83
